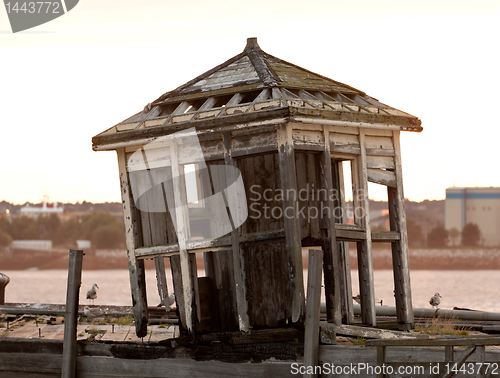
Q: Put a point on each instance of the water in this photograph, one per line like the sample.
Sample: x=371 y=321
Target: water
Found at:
x=475 y=289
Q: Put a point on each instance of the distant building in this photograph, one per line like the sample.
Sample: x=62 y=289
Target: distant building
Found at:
x=83 y=244
x=39 y=245
x=479 y=205
x=44 y=209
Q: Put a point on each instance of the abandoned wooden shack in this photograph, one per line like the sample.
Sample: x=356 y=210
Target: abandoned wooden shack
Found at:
x=245 y=164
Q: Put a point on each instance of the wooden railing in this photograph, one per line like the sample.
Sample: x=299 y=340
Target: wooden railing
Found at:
x=452 y=364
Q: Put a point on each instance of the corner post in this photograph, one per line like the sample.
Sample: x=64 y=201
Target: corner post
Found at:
x=135 y=266
x=400 y=253
x=288 y=174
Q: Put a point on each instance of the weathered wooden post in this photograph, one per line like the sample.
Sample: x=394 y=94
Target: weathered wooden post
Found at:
x=71 y=316
x=4 y=281
x=311 y=336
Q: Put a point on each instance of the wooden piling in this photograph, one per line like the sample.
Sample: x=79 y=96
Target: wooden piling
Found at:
x=4 y=281
x=71 y=316
x=311 y=336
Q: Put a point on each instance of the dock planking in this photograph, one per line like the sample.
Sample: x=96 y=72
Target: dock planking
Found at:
x=94 y=332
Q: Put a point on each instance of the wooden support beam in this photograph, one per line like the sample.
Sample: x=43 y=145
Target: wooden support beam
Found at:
x=175 y=265
x=311 y=335
x=238 y=262
x=381 y=355
x=400 y=254
x=71 y=316
x=135 y=266
x=379 y=176
x=331 y=264
x=221 y=244
x=343 y=247
x=480 y=372
x=161 y=281
x=182 y=231
x=288 y=175
x=365 y=261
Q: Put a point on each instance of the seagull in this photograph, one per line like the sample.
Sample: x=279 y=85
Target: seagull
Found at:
x=357 y=299
x=171 y=300
x=435 y=300
x=93 y=312
x=92 y=293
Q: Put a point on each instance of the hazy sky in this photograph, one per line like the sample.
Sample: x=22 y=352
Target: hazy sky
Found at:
x=65 y=81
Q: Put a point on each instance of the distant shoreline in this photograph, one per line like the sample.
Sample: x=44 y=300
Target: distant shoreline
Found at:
x=420 y=259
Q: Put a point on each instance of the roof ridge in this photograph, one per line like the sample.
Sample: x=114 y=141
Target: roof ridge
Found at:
x=255 y=54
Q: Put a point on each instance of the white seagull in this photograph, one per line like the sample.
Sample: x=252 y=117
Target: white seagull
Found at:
x=93 y=312
x=435 y=300
x=92 y=293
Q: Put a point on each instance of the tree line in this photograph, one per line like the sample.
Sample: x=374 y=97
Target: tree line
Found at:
x=103 y=230
x=439 y=237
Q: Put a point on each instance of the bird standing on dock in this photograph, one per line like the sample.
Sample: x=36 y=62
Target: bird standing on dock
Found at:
x=93 y=312
x=435 y=300
x=92 y=293
x=171 y=301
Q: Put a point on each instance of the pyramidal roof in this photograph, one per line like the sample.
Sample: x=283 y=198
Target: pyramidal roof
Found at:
x=256 y=82
x=254 y=66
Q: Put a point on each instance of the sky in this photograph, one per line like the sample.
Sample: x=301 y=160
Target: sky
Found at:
x=67 y=80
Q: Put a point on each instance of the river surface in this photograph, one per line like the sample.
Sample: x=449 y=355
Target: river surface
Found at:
x=474 y=289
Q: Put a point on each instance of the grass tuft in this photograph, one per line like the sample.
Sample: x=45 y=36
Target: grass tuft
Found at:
x=442 y=326
x=359 y=341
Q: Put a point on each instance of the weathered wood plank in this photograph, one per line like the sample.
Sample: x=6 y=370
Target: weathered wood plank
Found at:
x=244 y=145
x=221 y=244
x=331 y=263
x=136 y=267
x=344 y=143
x=239 y=264
x=365 y=332
x=343 y=247
x=380 y=162
x=379 y=176
x=302 y=139
x=379 y=146
x=292 y=227
x=161 y=281
x=438 y=341
x=311 y=336
x=71 y=316
x=182 y=231
x=365 y=262
x=400 y=253
x=385 y=236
